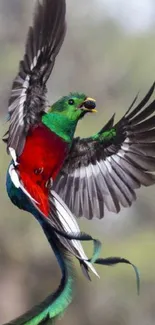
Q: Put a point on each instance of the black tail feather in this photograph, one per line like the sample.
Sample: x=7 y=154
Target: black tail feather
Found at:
x=112 y=261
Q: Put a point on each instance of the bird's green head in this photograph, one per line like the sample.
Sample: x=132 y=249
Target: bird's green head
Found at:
x=74 y=106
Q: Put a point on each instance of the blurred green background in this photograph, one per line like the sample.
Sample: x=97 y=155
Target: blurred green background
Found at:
x=109 y=53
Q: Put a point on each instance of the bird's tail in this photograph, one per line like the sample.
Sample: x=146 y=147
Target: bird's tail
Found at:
x=56 y=303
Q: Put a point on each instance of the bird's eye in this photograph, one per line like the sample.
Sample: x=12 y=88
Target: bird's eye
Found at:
x=71 y=102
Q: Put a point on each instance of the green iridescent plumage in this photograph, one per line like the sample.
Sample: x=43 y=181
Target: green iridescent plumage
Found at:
x=105 y=136
x=67 y=105
x=55 y=304
x=62 y=117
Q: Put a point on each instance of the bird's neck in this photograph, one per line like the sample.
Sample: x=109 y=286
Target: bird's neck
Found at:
x=61 y=125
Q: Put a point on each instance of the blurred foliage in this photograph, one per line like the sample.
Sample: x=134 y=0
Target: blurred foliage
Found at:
x=103 y=61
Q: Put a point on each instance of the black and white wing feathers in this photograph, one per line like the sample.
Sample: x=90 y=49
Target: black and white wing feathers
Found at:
x=28 y=97
x=104 y=170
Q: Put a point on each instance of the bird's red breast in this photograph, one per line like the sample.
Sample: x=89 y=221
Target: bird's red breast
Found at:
x=41 y=159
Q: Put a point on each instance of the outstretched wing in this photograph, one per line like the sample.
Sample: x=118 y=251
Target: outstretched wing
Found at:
x=104 y=170
x=27 y=102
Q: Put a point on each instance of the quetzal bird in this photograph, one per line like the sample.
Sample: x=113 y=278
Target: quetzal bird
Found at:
x=55 y=176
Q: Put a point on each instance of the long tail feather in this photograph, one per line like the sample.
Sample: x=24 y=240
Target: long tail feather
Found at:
x=56 y=303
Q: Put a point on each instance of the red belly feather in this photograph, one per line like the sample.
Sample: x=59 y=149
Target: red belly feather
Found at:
x=41 y=159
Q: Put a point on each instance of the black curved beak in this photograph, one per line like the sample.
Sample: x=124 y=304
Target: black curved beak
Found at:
x=89 y=105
